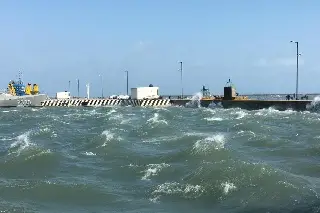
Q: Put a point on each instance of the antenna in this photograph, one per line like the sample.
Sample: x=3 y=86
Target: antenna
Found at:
x=20 y=76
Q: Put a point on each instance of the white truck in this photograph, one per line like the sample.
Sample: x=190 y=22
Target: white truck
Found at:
x=145 y=92
x=63 y=95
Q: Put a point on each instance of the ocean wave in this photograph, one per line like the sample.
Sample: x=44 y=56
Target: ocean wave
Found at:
x=159 y=159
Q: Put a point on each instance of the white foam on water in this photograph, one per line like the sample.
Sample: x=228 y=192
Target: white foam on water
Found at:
x=211 y=111
x=90 y=154
x=111 y=111
x=272 y=111
x=174 y=188
x=6 y=139
x=241 y=114
x=314 y=103
x=156 y=120
x=117 y=117
x=160 y=108
x=109 y=136
x=22 y=142
x=214 y=119
x=228 y=187
x=197 y=134
x=195 y=100
x=41 y=153
x=207 y=144
x=94 y=112
x=153 y=169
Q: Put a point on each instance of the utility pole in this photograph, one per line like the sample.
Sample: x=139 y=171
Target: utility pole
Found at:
x=297 y=77
x=101 y=78
x=127 y=81
x=181 y=79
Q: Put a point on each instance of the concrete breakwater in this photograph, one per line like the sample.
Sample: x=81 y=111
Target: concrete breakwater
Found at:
x=300 y=105
x=104 y=102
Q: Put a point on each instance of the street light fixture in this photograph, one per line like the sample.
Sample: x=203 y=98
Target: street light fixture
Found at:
x=127 y=72
x=297 y=77
x=78 y=82
x=181 y=79
x=101 y=79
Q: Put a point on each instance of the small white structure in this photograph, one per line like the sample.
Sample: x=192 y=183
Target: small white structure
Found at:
x=145 y=92
x=63 y=95
x=123 y=96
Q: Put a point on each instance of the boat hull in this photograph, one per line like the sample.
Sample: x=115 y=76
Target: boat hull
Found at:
x=8 y=103
x=23 y=101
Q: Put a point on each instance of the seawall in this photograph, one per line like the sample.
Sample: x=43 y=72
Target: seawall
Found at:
x=244 y=104
x=104 y=102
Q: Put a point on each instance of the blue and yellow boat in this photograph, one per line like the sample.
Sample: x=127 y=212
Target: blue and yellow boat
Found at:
x=18 y=94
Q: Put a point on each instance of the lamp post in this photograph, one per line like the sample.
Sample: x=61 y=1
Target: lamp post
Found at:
x=127 y=72
x=181 y=79
x=297 y=77
x=78 y=82
x=101 y=79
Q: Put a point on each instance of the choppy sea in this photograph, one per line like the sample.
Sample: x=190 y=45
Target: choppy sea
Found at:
x=173 y=159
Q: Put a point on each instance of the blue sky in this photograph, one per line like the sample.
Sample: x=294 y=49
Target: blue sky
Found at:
x=53 y=42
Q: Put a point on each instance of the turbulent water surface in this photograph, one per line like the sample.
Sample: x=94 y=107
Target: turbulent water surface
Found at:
x=172 y=159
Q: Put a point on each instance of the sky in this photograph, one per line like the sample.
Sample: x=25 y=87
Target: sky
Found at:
x=54 y=42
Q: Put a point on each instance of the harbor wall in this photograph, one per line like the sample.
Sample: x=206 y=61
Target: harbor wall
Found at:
x=244 y=104
x=104 y=102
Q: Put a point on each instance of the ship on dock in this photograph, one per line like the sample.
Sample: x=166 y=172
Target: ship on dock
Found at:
x=18 y=94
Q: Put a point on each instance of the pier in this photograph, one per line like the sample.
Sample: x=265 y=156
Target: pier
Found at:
x=105 y=102
x=299 y=105
x=149 y=97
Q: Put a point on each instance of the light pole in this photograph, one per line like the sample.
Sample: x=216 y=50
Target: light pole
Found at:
x=297 y=78
x=69 y=86
x=127 y=72
x=78 y=81
x=181 y=79
x=101 y=78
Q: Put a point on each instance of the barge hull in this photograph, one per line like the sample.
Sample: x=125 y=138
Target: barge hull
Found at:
x=299 y=105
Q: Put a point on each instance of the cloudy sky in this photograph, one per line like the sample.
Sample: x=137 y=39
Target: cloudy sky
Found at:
x=53 y=42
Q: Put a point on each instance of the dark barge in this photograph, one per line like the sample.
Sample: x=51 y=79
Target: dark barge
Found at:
x=231 y=99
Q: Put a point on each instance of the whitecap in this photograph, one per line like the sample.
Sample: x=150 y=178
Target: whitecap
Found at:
x=153 y=169
x=228 y=187
x=207 y=144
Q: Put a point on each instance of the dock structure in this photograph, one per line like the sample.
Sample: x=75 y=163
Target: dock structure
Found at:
x=148 y=97
x=299 y=105
x=105 y=102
